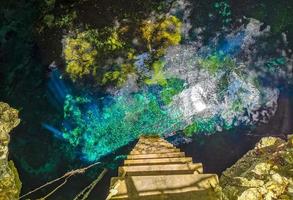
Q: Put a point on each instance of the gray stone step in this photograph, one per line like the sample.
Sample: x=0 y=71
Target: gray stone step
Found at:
x=156 y=155
x=169 y=187
x=154 y=144
x=140 y=147
x=158 y=161
x=167 y=169
x=154 y=150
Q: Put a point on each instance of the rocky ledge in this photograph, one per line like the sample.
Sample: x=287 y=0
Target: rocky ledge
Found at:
x=10 y=184
x=264 y=173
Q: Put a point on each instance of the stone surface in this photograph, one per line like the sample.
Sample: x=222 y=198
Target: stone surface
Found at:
x=160 y=171
x=157 y=155
x=264 y=173
x=163 y=169
x=10 y=184
x=158 y=161
x=187 y=186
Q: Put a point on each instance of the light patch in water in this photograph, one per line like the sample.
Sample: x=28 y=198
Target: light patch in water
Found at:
x=191 y=101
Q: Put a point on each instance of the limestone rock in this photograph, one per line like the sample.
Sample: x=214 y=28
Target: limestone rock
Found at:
x=264 y=173
x=10 y=184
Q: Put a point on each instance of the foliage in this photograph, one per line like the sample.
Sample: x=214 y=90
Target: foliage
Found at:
x=49 y=20
x=119 y=76
x=162 y=33
x=66 y=20
x=190 y=129
x=173 y=87
x=214 y=63
x=91 y=51
x=158 y=76
x=224 y=11
x=202 y=125
x=80 y=57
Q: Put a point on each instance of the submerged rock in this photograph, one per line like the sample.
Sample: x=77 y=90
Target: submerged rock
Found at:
x=10 y=184
x=266 y=172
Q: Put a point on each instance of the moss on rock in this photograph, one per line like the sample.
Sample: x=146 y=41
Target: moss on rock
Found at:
x=10 y=184
x=266 y=172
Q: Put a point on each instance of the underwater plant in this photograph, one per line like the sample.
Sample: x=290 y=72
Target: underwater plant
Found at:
x=158 y=76
x=160 y=34
x=172 y=87
x=100 y=127
x=165 y=85
x=80 y=56
x=91 y=51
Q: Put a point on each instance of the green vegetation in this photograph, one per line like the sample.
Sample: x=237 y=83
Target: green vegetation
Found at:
x=161 y=34
x=224 y=11
x=92 y=54
x=173 y=87
x=102 y=131
x=158 y=76
x=80 y=57
x=202 y=125
x=92 y=51
x=215 y=63
x=190 y=129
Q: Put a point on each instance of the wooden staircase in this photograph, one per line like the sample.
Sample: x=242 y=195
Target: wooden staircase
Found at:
x=156 y=170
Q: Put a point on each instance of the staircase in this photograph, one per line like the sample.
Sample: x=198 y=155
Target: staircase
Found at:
x=156 y=170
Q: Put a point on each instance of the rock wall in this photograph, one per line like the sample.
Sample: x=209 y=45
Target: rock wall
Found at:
x=264 y=173
x=10 y=184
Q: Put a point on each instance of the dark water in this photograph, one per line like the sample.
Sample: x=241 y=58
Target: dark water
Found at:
x=30 y=142
x=217 y=152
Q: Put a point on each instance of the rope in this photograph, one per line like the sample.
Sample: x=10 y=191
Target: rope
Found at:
x=57 y=188
x=66 y=176
x=87 y=190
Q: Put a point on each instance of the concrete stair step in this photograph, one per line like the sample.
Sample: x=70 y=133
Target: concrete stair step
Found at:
x=163 y=169
x=158 y=161
x=156 y=155
x=168 y=187
x=151 y=141
x=144 y=147
x=154 y=150
x=154 y=144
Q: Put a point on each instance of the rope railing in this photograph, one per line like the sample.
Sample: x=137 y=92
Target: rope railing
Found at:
x=66 y=176
x=87 y=190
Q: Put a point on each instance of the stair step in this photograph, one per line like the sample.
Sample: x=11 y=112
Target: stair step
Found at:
x=134 y=152
x=156 y=155
x=151 y=141
x=158 y=161
x=170 y=187
x=154 y=149
x=154 y=144
x=144 y=170
x=145 y=147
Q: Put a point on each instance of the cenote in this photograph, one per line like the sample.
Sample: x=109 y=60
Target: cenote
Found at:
x=90 y=77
